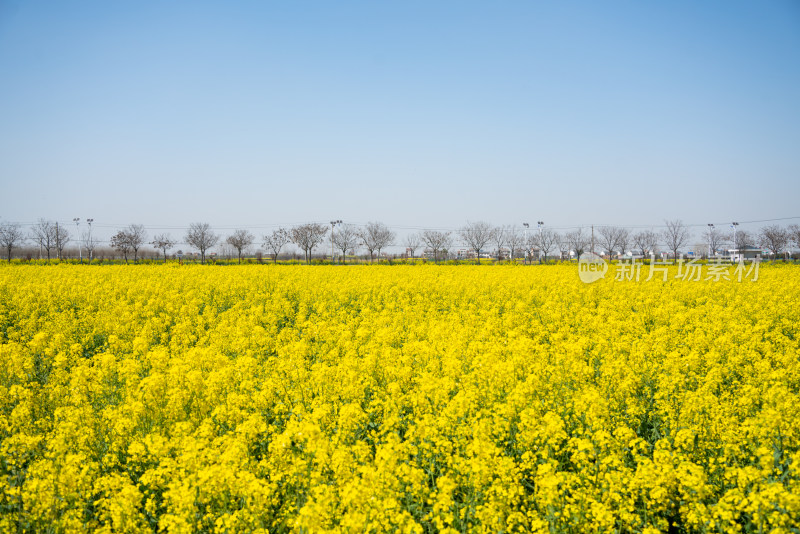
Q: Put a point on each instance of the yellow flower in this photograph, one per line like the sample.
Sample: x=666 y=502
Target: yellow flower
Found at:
x=396 y=398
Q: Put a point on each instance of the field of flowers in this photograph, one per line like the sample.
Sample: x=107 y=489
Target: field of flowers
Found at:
x=396 y=398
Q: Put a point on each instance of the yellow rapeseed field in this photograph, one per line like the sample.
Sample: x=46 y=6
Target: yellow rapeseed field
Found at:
x=396 y=398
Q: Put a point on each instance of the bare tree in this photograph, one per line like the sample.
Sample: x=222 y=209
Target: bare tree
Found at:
x=136 y=238
x=624 y=240
x=645 y=242
x=476 y=235
x=794 y=234
x=275 y=241
x=614 y=238
x=308 y=236
x=62 y=238
x=11 y=236
x=121 y=243
x=774 y=238
x=346 y=238
x=578 y=241
x=744 y=240
x=436 y=241
x=563 y=247
x=714 y=238
x=43 y=234
x=240 y=240
x=202 y=238
x=129 y=240
x=546 y=240
x=676 y=235
x=412 y=243
x=163 y=242
x=447 y=245
x=607 y=239
x=89 y=243
x=376 y=236
x=500 y=239
x=531 y=246
x=514 y=239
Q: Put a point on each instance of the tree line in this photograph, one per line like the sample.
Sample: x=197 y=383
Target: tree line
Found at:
x=478 y=239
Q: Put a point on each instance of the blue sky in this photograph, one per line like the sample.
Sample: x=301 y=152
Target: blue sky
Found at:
x=417 y=114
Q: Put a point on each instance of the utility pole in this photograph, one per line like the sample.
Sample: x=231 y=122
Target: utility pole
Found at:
x=58 y=242
x=77 y=221
x=333 y=225
x=89 y=239
x=735 y=245
x=710 y=239
x=592 y=239
x=526 y=225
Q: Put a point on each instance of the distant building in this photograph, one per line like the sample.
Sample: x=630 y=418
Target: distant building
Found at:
x=746 y=254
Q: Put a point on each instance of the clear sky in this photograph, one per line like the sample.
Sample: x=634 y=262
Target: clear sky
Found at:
x=414 y=113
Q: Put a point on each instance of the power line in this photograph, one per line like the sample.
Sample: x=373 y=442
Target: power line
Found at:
x=406 y=227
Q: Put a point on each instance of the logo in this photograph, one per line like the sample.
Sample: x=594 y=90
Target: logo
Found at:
x=591 y=267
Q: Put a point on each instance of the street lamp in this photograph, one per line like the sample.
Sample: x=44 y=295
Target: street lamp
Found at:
x=89 y=240
x=77 y=221
x=526 y=225
x=333 y=225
